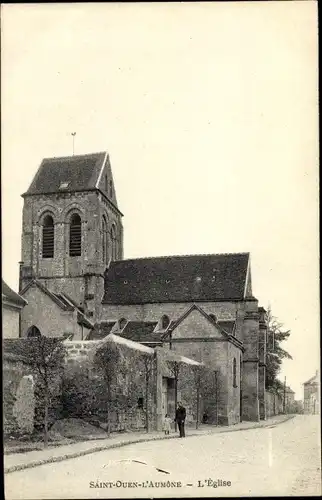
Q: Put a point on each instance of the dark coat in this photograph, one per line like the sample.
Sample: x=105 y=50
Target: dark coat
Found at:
x=180 y=414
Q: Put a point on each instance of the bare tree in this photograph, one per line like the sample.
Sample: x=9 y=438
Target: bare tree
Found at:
x=148 y=362
x=47 y=356
x=107 y=358
x=197 y=374
x=174 y=367
x=210 y=388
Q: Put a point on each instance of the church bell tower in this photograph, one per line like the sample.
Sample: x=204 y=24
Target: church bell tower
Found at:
x=72 y=228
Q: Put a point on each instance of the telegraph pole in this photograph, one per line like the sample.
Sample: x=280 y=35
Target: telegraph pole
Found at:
x=73 y=136
x=284 y=396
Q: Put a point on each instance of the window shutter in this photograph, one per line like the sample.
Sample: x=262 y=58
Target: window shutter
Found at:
x=75 y=236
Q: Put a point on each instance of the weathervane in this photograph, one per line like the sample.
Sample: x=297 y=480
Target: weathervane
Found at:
x=73 y=135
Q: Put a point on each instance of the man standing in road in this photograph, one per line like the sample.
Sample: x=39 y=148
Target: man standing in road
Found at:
x=180 y=418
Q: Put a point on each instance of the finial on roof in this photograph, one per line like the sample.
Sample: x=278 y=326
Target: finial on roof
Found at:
x=73 y=135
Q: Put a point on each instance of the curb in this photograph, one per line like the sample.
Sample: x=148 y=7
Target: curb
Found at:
x=61 y=458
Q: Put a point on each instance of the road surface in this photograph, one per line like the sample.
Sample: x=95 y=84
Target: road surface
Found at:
x=281 y=460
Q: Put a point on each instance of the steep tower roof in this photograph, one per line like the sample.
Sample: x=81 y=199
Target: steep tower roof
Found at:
x=74 y=173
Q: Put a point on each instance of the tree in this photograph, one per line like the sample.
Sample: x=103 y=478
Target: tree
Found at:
x=209 y=391
x=275 y=353
x=47 y=357
x=174 y=367
x=107 y=358
x=197 y=377
x=148 y=362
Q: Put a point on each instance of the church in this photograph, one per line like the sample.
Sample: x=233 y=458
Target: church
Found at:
x=77 y=285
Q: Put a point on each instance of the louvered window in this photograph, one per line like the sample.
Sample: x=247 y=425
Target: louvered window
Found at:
x=75 y=236
x=48 y=237
x=234 y=373
x=104 y=240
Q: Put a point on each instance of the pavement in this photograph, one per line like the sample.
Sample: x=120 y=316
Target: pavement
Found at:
x=270 y=461
x=19 y=461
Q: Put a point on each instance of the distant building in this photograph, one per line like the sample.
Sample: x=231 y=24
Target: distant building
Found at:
x=12 y=304
x=289 y=400
x=312 y=395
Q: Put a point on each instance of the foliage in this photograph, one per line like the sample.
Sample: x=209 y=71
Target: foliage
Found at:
x=24 y=407
x=149 y=364
x=9 y=420
x=125 y=375
x=46 y=355
x=275 y=354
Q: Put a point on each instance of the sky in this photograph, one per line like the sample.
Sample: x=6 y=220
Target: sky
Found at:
x=209 y=112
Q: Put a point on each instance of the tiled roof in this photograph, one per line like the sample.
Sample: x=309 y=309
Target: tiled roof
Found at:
x=72 y=173
x=101 y=330
x=313 y=380
x=140 y=331
x=63 y=301
x=116 y=339
x=189 y=278
x=11 y=295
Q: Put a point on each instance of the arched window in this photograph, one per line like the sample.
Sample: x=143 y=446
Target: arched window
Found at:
x=105 y=183
x=33 y=331
x=234 y=372
x=104 y=240
x=48 y=237
x=111 y=189
x=75 y=236
x=113 y=242
x=165 y=321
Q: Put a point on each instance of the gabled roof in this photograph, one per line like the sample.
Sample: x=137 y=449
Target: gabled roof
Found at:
x=11 y=296
x=54 y=297
x=168 y=355
x=313 y=380
x=116 y=339
x=62 y=300
x=73 y=173
x=100 y=330
x=141 y=331
x=188 y=278
x=225 y=335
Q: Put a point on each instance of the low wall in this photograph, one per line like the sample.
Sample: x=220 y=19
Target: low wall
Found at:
x=85 y=389
x=18 y=397
x=274 y=404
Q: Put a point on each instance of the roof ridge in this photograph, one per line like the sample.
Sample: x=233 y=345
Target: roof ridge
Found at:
x=74 y=156
x=179 y=256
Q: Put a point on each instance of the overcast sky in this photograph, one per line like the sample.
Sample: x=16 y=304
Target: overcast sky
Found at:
x=209 y=114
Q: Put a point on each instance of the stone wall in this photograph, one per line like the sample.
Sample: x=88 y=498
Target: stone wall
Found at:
x=62 y=272
x=86 y=391
x=153 y=312
x=274 y=404
x=199 y=339
x=10 y=322
x=250 y=383
x=44 y=313
x=18 y=397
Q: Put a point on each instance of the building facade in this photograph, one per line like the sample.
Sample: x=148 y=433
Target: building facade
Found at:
x=201 y=306
x=312 y=395
x=12 y=305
